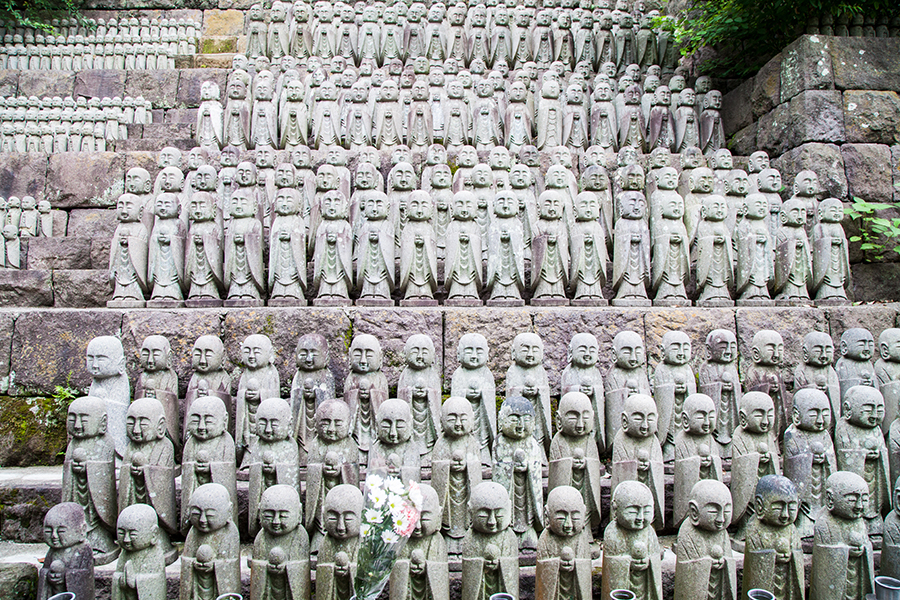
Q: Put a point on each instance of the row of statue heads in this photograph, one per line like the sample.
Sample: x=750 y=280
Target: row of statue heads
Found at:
x=144 y=28
x=82 y=53
x=859 y=24
x=53 y=125
x=249 y=233
x=419 y=106
x=490 y=33
x=829 y=495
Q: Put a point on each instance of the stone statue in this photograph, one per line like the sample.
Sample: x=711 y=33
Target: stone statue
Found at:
x=204 y=275
x=332 y=459
x=704 y=563
x=673 y=381
x=506 y=252
x=210 y=561
x=313 y=383
x=574 y=460
x=517 y=467
x=394 y=450
x=793 y=261
x=456 y=469
x=128 y=254
x=159 y=380
x=627 y=376
x=490 y=562
x=712 y=133
x=549 y=116
x=632 y=125
x=588 y=252
x=336 y=566
x=809 y=456
x=841 y=544
x=831 y=263
x=696 y=453
x=773 y=559
x=243 y=271
x=719 y=380
x=631 y=243
x=89 y=475
x=582 y=375
x=637 y=454
x=770 y=186
x=210 y=376
x=855 y=367
x=210 y=117
x=274 y=457
x=527 y=377
x=418 y=252
x=421 y=569
x=279 y=566
x=374 y=252
x=764 y=375
x=236 y=125
x=365 y=388
x=69 y=564
x=815 y=370
x=697 y=184
x=755 y=453
x=105 y=360
x=332 y=267
x=147 y=474
x=888 y=373
x=860 y=448
x=258 y=363
x=208 y=454
x=890 y=546
x=287 y=251
x=165 y=259
x=564 y=549
x=806 y=190
x=420 y=386
x=631 y=550
x=463 y=263
x=671 y=254
x=754 y=254
x=550 y=252
x=141 y=570
x=714 y=254
x=474 y=381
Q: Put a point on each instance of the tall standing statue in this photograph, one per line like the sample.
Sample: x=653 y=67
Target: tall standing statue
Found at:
x=637 y=454
x=165 y=259
x=463 y=263
x=712 y=133
x=714 y=254
x=718 y=379
x=474 y=381
x=243 y=271
x=141 y=570
x=855 y=367
x=527 y=377
x=279 y=567
x=69 y=564
x=393 y=450
x=210 y=376
x=208 y=130
x=671 y=256
x=517 y=467
x=128 y=254
x=418 y=252
x=588 y=252
x=312 y=384
x=582 y=375
x=841 y=543
x=273 y=457
x=704 y=562
x=815 y=370
x=755 y=454
x=696 y=453
x=831 y=263
x=210 y=561
x=627 y=376
x=374 y=253
x=764 y=375
x=550 y=251
x=365 y=388
x=490 y=552
x=564 y=549
x=631 y=243
x=203 y=268
x=105 y=359
x=673 y=381
x=332 y=265
x=336 y=566
x=793 y=260
x=506 y=252
x=236 y=126
x=754 y=254
x=89 y=475
x=631 y=551
x=773 y=559
x=259 y=375
x=287 y=251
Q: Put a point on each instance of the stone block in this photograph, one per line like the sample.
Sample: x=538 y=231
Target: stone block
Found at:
x=7 y=324
x=181 y=328
x=23 y=174
x=766 y=92
x=824 y=159
x=154 y=144
x=145 y=160
x=190 y=81
x=158 y=86
x=92 y=222
x=24 y=505
x=806 y=65
x=60 y=222
x=695 y=322
x=46 y=83
x=18 y=580
x=135 y=131
x=874 y=317
x=866 y=63
x=868 y=168
x=25 y=288
x=743 y=143
x=85 y=179
x=791 y=323
x=774 y=129
x=213 y=61
x=48 y=347
x=181 y=115
x=236 y=4
x=223 y=23
x=736 y=111
x=498 y=325
x=392 y=327
x=184 y=61
x=872 y=117
x=216 y=45
x=100 y=253
x=81 y=288
x=875 y=282
x=168 y=131
x=816 y=116
x=100 y=83
x=9 y=83
x=59 y=253
x=556 y=328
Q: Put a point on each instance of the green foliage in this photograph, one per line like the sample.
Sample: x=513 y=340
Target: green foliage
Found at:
x=878 y=235
x=38 y=13
x=747 y=33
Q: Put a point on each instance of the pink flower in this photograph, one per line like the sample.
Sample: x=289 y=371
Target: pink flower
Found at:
x=406 y=522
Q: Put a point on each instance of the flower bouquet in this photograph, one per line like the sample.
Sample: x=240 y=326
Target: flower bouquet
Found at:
x=389 y=517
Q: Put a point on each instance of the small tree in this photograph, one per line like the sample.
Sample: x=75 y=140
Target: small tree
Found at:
x=37 y=13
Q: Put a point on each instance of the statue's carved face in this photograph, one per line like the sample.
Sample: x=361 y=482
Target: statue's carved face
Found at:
x=365 y=355
x=850 y=502
x=758 y=415
x=714 y=515
x=207 y=355
x=103 y=360
x=640 y=418
x=128 y=208
x=700 y=418
x=457 y=419
x=207 y=420
x=394 y=425
x=778 y=509
x=145 y=422
x=490 y=515
x=629 y=351
x=62 y=530
x=279 y=513
x=333 y=422
x=517 y=425
x=635 y=512
x=273 y=421
x=85 y=420
x=818 y=350
x=864 y=407
x=676 y=348
x=723 y=347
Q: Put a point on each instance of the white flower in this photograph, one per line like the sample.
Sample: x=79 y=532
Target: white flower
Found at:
x=373 y=516
x=377 y=496
x=395 y=486
x=415 y=495
x=364 y=530
x=395 y=503
x=389 y=537
x=374 y=481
